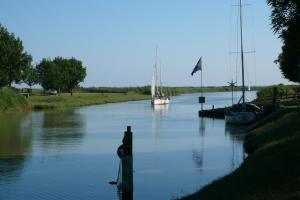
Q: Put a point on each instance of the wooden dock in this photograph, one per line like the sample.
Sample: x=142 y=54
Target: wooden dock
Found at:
x=217 y=113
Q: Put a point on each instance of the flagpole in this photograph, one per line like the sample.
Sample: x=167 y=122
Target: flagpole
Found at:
x=201 y=85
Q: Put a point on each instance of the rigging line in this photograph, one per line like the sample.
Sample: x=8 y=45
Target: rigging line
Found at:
x=229 y=43
x=254 y=43
x=247 y=74
x=237 y=47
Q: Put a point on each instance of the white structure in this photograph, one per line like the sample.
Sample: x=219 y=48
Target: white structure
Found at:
x=158 y=97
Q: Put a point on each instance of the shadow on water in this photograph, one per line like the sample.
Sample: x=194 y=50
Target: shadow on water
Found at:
x=15 y=144
x=61 y=129
x=237 y=135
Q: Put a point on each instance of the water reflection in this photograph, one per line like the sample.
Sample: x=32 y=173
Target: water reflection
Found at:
x=158 y=113
x=15 y=144
x=62 y=129
x=198 y=155
x=237 y=135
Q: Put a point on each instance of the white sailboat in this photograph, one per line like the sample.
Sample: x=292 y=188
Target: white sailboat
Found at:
x=158 y=97
x=240 y=113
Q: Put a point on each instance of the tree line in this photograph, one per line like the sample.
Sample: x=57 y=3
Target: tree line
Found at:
x=285 y=19
x=61 y=74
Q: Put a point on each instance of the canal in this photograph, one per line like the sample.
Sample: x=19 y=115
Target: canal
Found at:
x=71 y=154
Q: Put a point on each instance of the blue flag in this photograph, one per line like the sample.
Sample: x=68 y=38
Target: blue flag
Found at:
x=198 y=66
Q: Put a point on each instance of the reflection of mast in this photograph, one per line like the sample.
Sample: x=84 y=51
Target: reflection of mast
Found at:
x=198 y=156
x=158 y=112
x=233 y=155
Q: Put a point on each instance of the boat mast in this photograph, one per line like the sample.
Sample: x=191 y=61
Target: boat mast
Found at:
x=154 y=77
x=242 y=52
x=156 y=87
x=160 y=78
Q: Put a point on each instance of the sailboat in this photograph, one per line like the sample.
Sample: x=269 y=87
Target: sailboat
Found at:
x=158 y=97
x=240 y=113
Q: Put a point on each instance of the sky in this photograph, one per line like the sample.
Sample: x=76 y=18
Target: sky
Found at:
x=116 y=39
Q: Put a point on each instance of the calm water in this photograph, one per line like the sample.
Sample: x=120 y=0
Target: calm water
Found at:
x=72 y=154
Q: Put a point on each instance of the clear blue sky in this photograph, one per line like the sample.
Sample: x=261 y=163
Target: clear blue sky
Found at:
x=116 y=39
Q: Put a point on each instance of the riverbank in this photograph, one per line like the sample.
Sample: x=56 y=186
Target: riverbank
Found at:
x=64 y=100
x=11 y=101
x=272 y=169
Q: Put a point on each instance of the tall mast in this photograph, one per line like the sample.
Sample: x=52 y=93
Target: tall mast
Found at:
x=242 y=52
x=154 y=77
x=156 y=87
x=160 y=83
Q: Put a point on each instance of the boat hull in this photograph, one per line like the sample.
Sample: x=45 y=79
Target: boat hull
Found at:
x=239 y=117
x=160 y=101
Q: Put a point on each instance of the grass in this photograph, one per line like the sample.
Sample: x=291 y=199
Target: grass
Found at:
x=271 y=171
x=11 y=101
x=81 y=99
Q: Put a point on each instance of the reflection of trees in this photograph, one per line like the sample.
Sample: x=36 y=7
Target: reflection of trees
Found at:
x=59 y=129
x=15 y=143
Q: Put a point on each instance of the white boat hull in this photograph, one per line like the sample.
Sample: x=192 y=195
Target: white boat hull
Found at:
x=160 y=101
x=239 y=117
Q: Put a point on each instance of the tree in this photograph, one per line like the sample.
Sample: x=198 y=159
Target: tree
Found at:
x=72 y=72
x=31 y=76
x=49 y=75
x=61 y=74
x=286 y=22
x=14 y=61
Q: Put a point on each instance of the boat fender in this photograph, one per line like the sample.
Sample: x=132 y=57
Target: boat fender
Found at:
x=121 y=151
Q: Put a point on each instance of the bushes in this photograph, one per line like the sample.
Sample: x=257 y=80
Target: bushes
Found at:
x=10 y=100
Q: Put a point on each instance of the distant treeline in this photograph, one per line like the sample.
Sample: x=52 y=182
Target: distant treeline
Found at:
x=281 y=89
x=171 y=91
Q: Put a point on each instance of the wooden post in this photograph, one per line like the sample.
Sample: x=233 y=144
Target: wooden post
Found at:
x=127 y=166
x=274 y=98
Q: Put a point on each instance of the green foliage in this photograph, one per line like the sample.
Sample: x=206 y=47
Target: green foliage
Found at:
x=10 y=100
x=286 y=22
x=268 y=91
x=146 y=90
x=64 y=101
x=61 y=74
x=49 y=75
x=14 y=61
x=31 y=76
x=72 y=72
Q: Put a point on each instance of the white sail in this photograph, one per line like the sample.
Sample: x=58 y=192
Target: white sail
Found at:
x=158 y=98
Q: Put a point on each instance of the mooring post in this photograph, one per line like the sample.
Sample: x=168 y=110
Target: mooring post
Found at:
x=127 y=166
x=274 y=98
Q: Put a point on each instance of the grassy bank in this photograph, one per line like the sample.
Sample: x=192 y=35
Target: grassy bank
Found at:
x=272 y=169
x=11 y=101
x=171 y=91
x=81 y=99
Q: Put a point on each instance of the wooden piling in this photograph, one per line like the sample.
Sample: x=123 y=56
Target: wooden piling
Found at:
x=127 y=166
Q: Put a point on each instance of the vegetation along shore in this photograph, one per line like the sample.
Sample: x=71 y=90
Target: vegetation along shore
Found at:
x=38 y=99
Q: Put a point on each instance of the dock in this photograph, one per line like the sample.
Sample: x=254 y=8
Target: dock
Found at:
x=217 y=113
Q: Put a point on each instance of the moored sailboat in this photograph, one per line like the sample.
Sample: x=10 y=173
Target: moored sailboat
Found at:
x=158 y=97
x=240 y=112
